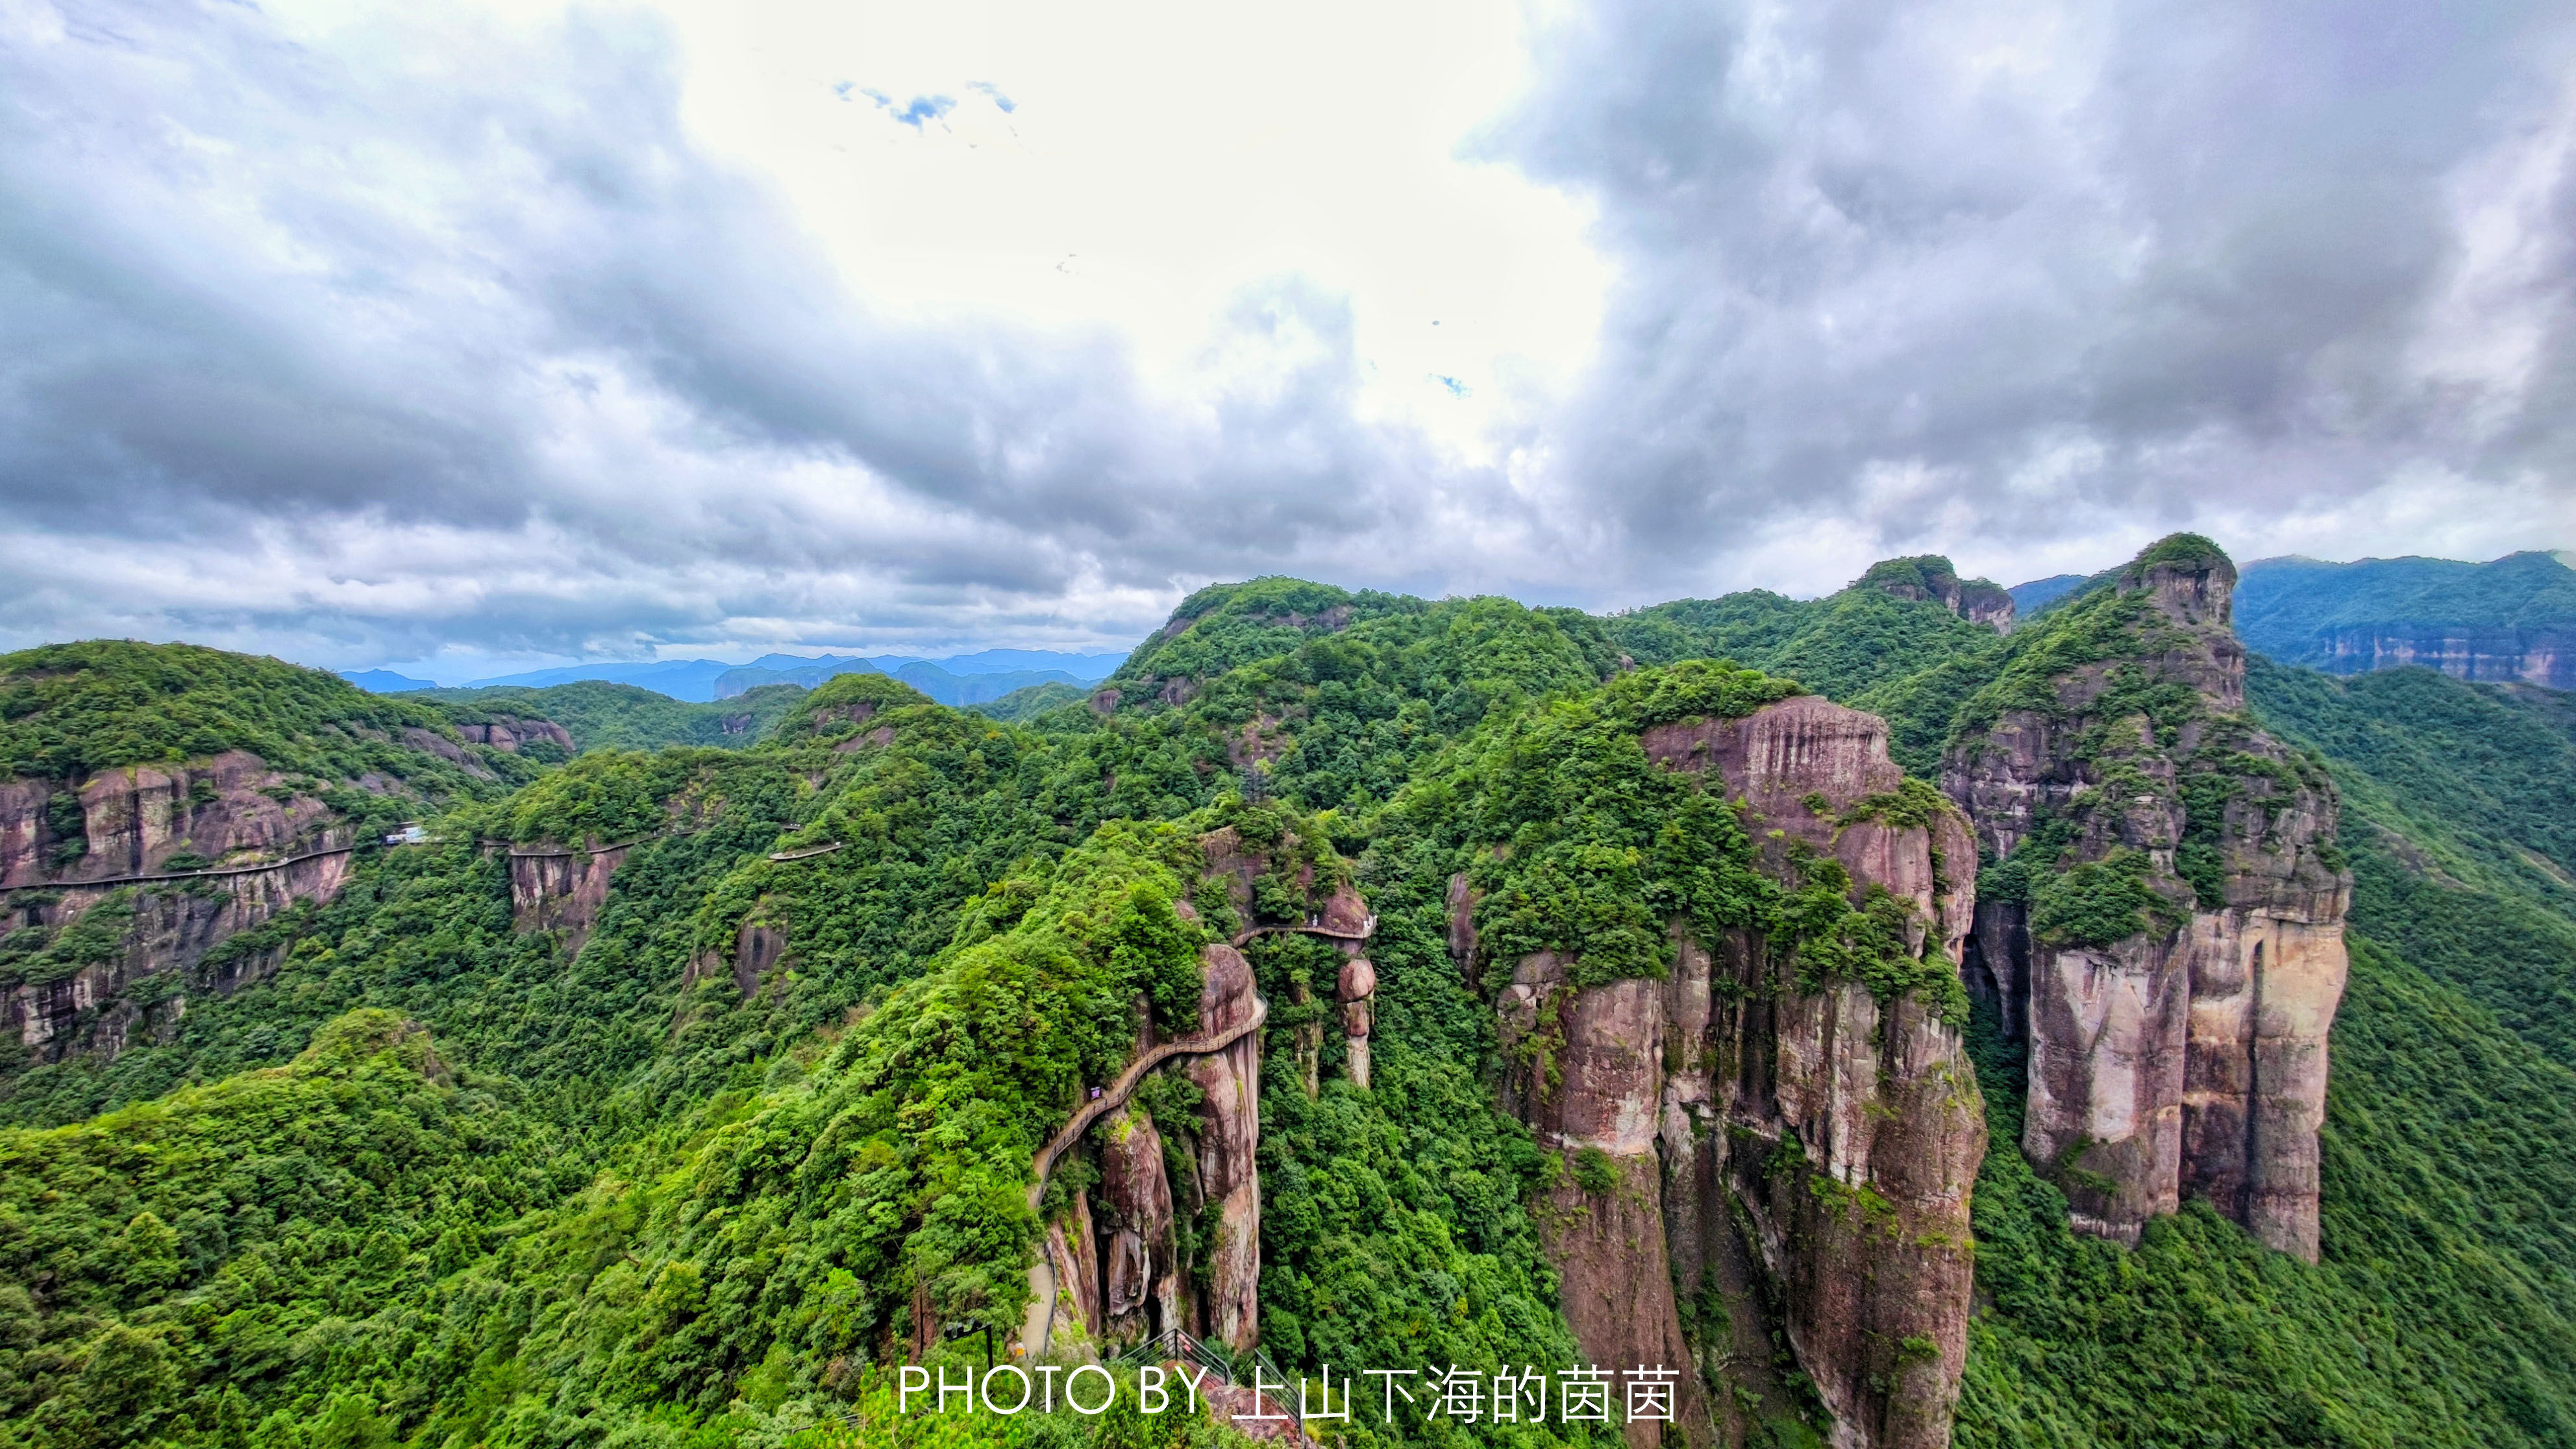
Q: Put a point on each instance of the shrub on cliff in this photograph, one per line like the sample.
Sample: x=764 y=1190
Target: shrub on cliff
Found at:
x=2100 y=902
x=1576 y=843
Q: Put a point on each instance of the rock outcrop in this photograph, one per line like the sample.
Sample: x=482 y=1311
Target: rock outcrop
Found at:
x=1228 y=1310
x=509 y=732
x=1116 y=1262
x=70 y=847
x=759 y=947
x=2167 y=931
x=1140 y=1288
x=561 y=888
x=226 y=809
x=163 y=955
x=1800 y=1159
x=1930 y=578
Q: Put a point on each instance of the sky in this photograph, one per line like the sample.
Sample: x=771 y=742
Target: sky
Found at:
x=463 y=337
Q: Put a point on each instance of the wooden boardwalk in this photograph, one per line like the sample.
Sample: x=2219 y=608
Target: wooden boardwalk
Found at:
x=1117 y=1093
x=1038 y=1329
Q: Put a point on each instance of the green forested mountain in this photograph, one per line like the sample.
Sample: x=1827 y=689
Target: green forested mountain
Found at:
x=671 y=1092
x=1031 y=701
x=2508 y=619
x=70 y=710
x=600 y=715
x=2290 y=601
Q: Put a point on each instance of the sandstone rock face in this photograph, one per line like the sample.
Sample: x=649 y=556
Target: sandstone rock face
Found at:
x=1115 y=1256
x=2190 y=1056
x=877 y=738
x=553 y=888
x=1140 y=1289
x=1777 y=757
x=509 y=732
x=2543 y=656
x=430 y=742
x=228 y=809
x=83 y=842
x=1978 y=601
x=1073 y=1247
x=1229 y=1137
x=171 y=933
x=1343 y=916
x=1803 y=1158
x=758 y=948
x=1609 y=1248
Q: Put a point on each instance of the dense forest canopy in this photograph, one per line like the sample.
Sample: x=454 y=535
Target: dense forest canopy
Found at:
x=428 y=1170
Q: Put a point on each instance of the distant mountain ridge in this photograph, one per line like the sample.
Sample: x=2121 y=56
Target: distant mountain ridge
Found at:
x=385 y=681
x=2030 y=598
x=2513 y=618
x=952 y=687
x=958 y=680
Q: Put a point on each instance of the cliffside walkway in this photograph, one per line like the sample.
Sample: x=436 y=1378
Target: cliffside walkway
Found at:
x=1366 y=930
x=1037 y=1330
x=217 y=872
x=1117 y=1093
x=207 y=874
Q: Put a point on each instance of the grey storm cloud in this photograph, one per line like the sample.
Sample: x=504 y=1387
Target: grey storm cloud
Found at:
x=2135 y=257
x=353 y=357
x=250 y=296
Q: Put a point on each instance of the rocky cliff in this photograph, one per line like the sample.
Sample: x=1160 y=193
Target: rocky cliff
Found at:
x=2545 y=656
x=123 y=882
x=2162 y=919
x=2510 y=619
x=70 y=849
x=1930 y=578
x=1170 y=1236
x=510 y=732
x=563 y=889
x=1755 y=1158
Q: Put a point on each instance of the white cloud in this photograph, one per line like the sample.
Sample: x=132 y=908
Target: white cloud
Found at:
x=365 y=334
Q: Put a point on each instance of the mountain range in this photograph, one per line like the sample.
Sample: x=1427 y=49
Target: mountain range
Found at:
x=960 y=679
x=2511 y=619
x=1905 y=1018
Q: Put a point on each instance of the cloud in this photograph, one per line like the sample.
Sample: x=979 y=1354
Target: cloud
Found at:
x=393 y=343
x=2010 y=275
x=919 y=109
x=360 y=338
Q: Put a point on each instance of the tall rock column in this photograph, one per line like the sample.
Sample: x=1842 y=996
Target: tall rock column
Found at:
x=1588 y=1077
x=2164 y=923
x=1852 y=1126
x=1802 y=1157
x=2267 y=972
x=1140 y=1291
x=1229 y=1137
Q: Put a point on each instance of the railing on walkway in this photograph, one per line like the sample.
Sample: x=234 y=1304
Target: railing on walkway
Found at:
x=1174 y=1345
x=1312 y=927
